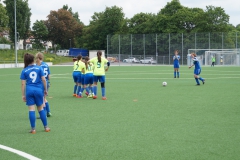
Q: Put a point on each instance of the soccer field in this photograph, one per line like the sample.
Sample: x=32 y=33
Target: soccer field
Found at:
x=140 y=120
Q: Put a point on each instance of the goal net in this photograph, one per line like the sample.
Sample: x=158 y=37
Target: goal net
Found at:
x=222 y=56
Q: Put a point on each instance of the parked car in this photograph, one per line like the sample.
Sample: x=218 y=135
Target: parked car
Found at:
x=148 y=60
x=131 y=60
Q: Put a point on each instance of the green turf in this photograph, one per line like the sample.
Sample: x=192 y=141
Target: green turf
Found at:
x=140 y=120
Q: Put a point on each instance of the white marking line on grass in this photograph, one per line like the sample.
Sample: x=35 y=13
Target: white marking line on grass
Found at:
x=20 y=153
x=153 y=78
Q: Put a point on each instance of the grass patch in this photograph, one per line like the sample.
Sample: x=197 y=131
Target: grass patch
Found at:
x=139 y=120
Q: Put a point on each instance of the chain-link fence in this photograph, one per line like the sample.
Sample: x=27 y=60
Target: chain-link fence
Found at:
x=132 y=49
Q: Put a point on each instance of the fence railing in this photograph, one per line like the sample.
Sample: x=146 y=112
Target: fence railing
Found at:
x=162 y=46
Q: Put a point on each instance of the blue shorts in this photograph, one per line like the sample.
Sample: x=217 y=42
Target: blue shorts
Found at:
x=88 y=78
x=77 y=76
x=197 y=71
x=176 y=65
x=34 y=95
x=99 y=78
x=82 y=78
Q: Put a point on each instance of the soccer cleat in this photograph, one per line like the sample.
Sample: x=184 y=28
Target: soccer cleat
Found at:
x=74 y=95
x=32 y=131
x=197 y=84
x=87 y=93
x=47 y=129
x=104 y=98
x=94 y=97
x=203 y=82
x=174 y=76
x=79 y=96
x=49 y=114
x=90 y=96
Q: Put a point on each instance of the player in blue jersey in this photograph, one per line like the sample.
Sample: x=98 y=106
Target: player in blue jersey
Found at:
x=176 y=58
x=197 y=69
x=99 y=73
x=32 y=80
x=46 y=71
x=77 y=72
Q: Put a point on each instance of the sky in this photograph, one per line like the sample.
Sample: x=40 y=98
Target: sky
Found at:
x=40 y=9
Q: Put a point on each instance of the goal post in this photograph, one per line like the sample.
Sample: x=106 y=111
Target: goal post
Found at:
x=222 y=56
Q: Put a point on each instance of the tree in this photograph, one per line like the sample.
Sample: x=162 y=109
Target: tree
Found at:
x=40 y=33
x=102 y=24
x=23 y=19
x=62 y=27
x=75 y=15
x=214 y=19
x=3 y=18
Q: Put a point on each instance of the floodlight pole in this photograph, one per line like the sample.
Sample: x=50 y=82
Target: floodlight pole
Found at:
x=15 y=19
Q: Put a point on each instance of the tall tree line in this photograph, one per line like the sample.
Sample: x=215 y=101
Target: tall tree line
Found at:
x=64 y=26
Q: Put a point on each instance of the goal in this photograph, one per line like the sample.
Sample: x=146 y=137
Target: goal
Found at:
x=222 y=56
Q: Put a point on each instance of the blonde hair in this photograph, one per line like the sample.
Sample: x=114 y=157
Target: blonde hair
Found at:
x=39 y=55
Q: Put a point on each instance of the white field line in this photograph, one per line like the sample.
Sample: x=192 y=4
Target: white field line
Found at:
x=154 y=78
x=20 y=153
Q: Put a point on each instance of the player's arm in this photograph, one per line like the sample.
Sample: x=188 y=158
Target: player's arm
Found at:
x=192 y=65
x=23 y=86
x=108 y=65
x=44 y=84
x=173 y=57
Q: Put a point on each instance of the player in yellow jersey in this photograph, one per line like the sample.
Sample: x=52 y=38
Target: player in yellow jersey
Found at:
x=87 y=79
x=78 y=68
x=99 y=73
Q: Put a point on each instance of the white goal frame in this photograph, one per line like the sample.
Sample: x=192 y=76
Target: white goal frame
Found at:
x=223 y=56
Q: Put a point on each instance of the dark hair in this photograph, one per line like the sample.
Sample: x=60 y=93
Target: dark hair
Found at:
x=28 y=59
x=86 y=62
x=79 y=57
x=99 y=54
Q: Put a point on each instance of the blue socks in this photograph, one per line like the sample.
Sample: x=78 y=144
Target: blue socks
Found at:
x=47 y=107
x=103 y=92
x=201 y=78
x=94 y=90
x=32 y=119
x=174 y=74
x=178 y=74
x=78 y=89
x=197 y=80
x=43 y=117
x=75 y=89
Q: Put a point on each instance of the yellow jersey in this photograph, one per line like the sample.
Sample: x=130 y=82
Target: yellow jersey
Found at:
x=99 y=67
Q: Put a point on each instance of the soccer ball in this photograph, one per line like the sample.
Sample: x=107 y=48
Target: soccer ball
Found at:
x=164 y=84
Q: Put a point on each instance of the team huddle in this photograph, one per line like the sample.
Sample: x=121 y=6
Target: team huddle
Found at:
x=87 y=73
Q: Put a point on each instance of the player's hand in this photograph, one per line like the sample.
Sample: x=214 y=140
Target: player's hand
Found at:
x=24 y=98
x=45 y=93
x=189 y=67
x=106 y=69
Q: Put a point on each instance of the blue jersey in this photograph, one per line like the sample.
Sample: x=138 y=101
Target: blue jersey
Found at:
x=196 y=63
x=46 y=70
x=32 y=74
x=176 y=59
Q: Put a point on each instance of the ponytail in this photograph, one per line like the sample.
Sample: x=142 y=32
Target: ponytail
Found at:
x=86 y=62
x=99 y=54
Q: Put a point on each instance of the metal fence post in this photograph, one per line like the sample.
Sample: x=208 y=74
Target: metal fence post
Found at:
x=119 y=49
x=169 y=49
x=182 y=48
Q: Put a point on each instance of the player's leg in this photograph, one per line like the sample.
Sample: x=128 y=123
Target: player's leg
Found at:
x=175 y=71
x=39 y=102
x=102 y=80
x=196 y=76
x=95 y=80
x=32 y=118
x=75 y=86
x=200 y=78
